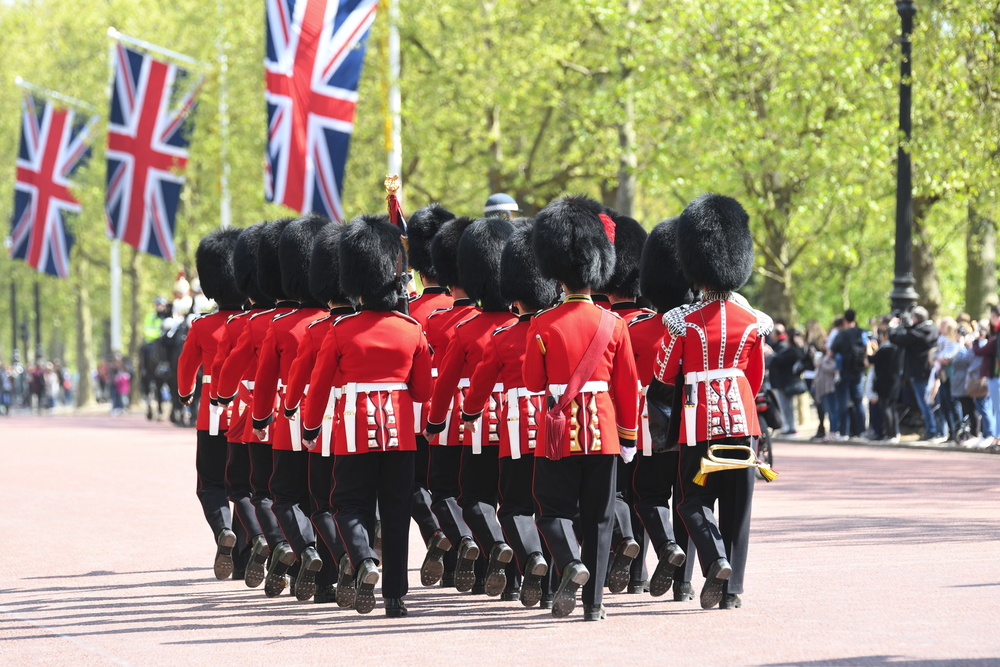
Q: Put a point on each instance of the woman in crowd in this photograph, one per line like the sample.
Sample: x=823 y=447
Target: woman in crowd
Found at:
x=785 y=373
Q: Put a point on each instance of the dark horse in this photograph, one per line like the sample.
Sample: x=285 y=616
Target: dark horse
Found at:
x=159 y=378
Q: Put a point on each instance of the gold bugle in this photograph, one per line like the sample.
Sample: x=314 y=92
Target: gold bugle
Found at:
x=713 y=463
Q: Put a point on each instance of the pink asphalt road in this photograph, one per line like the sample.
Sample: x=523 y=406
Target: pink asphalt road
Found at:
x=859 y=557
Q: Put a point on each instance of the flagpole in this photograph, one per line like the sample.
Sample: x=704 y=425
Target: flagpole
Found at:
x=225 y=205
x=45 y=92
x=116 y=251
x=395 y=102
x=153 y=48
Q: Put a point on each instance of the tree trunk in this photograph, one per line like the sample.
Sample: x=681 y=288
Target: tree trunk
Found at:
x=981 y=264
x=924 y=265
x=84 y=335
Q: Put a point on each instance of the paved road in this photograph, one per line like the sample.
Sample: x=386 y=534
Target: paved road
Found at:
x=859 y=557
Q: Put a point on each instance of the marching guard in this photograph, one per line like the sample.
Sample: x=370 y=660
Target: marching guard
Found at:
x=289 y=484
x=580 y=354
x=214 y=261
x=381 y=359
x=479 y=250
x=718 y=345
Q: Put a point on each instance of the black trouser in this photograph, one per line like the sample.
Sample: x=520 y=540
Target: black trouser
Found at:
x=890 y=413
x=360 y=481
x=290 y=487
x=422 y=513
x=210 y=464
x=733 y=489
x=443 y=482
x=320 y=483
x=627 y=523
x=587 y=483
x=653 y=482
x=261 y=467
x=968 y=405
x=479 y=480
x=239 y=488
x=517 y=507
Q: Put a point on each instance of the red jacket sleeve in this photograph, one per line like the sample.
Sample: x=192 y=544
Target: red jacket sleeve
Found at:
x=321 y=383
x=189 y=362
x=265 y=383
x=298 y=374
x=221 y=354
x=483 y=380
x=535 y=377
x=625 y=386
x=449 y=373
x=420 y=383
x=228 y=383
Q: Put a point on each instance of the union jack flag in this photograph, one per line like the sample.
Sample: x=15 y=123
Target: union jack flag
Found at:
x=315 y=49
x=147 y=150
x=54 y=143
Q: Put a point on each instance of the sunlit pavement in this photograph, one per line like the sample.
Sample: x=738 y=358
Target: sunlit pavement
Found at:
x=860 y=556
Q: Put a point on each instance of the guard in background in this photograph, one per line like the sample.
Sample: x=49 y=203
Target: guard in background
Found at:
x=500 y=205
x=479 y=273
x=445 y=450
x=235 y=415
x=242 y=363
x=521 y=412
x=718 y=345
x=655 y=467
x=580 y=354
x=324 y=285
x=420 y=231
x=289 y=482
x=214 y=260
x=628 y=565
x=382 y=359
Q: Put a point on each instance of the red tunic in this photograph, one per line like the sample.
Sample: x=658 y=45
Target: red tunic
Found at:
x=274 y=360
x=369 y=348
x=241 y=364
x=440 y=329
x=712 y=334
x=421 y=307
x=233 y=413
x=557 y=340
x=200 y=346
x=628 y=310
x=503 y=360
x=460 y=361
x=645 y=331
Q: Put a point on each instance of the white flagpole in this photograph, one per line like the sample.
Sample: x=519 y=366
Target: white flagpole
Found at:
x=225 y=205
x=395 y=103
x=116 y=250
x=45 y=92
x=153 y=48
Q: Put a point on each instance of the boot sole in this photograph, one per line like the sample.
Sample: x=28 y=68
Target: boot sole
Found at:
x=275 y=582
x=496 y=577
x=565 y=600
x=711 y=594
x=621 y=569
x=531 y=585
x=364 y=601
x=433 y=569
x=465 y=575
x=256 y=570
x=662 y=579
x=223 y=567
x=305 y=584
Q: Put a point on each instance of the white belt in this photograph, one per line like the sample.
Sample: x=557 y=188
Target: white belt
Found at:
x=214 y=417
x=647 y=439
x=206 y=379
x=351 y=391
x=281 y=385
x=328 y=414
x=294 y=431
x=592 y=387
x=434 y=372
x=481 y=424
x=248 y=384
x=463 y=383
x=514 y=417
x=418 y=411
x=692 y=380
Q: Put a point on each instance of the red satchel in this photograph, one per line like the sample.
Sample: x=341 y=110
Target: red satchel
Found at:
x=555 y=417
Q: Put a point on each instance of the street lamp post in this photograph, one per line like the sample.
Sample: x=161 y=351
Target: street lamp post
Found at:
x=903 y=296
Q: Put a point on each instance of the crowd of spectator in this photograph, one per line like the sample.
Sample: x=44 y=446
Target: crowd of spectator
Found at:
x=39 y=388
x=903 y=373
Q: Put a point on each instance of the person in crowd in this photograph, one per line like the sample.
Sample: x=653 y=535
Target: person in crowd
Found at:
x=986 y=348
x=947 y=348
x=785 y=373
x=887 y=366
x=970 y=389
x=850 y=345
x=815 y=336
x=824 y=391
x=916 y=335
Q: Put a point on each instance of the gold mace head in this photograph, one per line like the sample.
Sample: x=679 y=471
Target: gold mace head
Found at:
x=392 y=183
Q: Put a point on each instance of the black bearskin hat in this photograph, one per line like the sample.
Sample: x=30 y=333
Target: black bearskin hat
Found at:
x=420 y=231
x=479 y=261
x=295 y=252
x=571 y=243
x=519 y=276
x=214 y=261
x=324 y=266
x=370 y=249
x=245 y=262
x=629 y=239
x=714 y=245
x=269 y=260
x=660 y=277
x=444 y=251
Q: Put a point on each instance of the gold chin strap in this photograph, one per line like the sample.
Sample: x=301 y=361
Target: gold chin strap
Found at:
x=713 y=463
